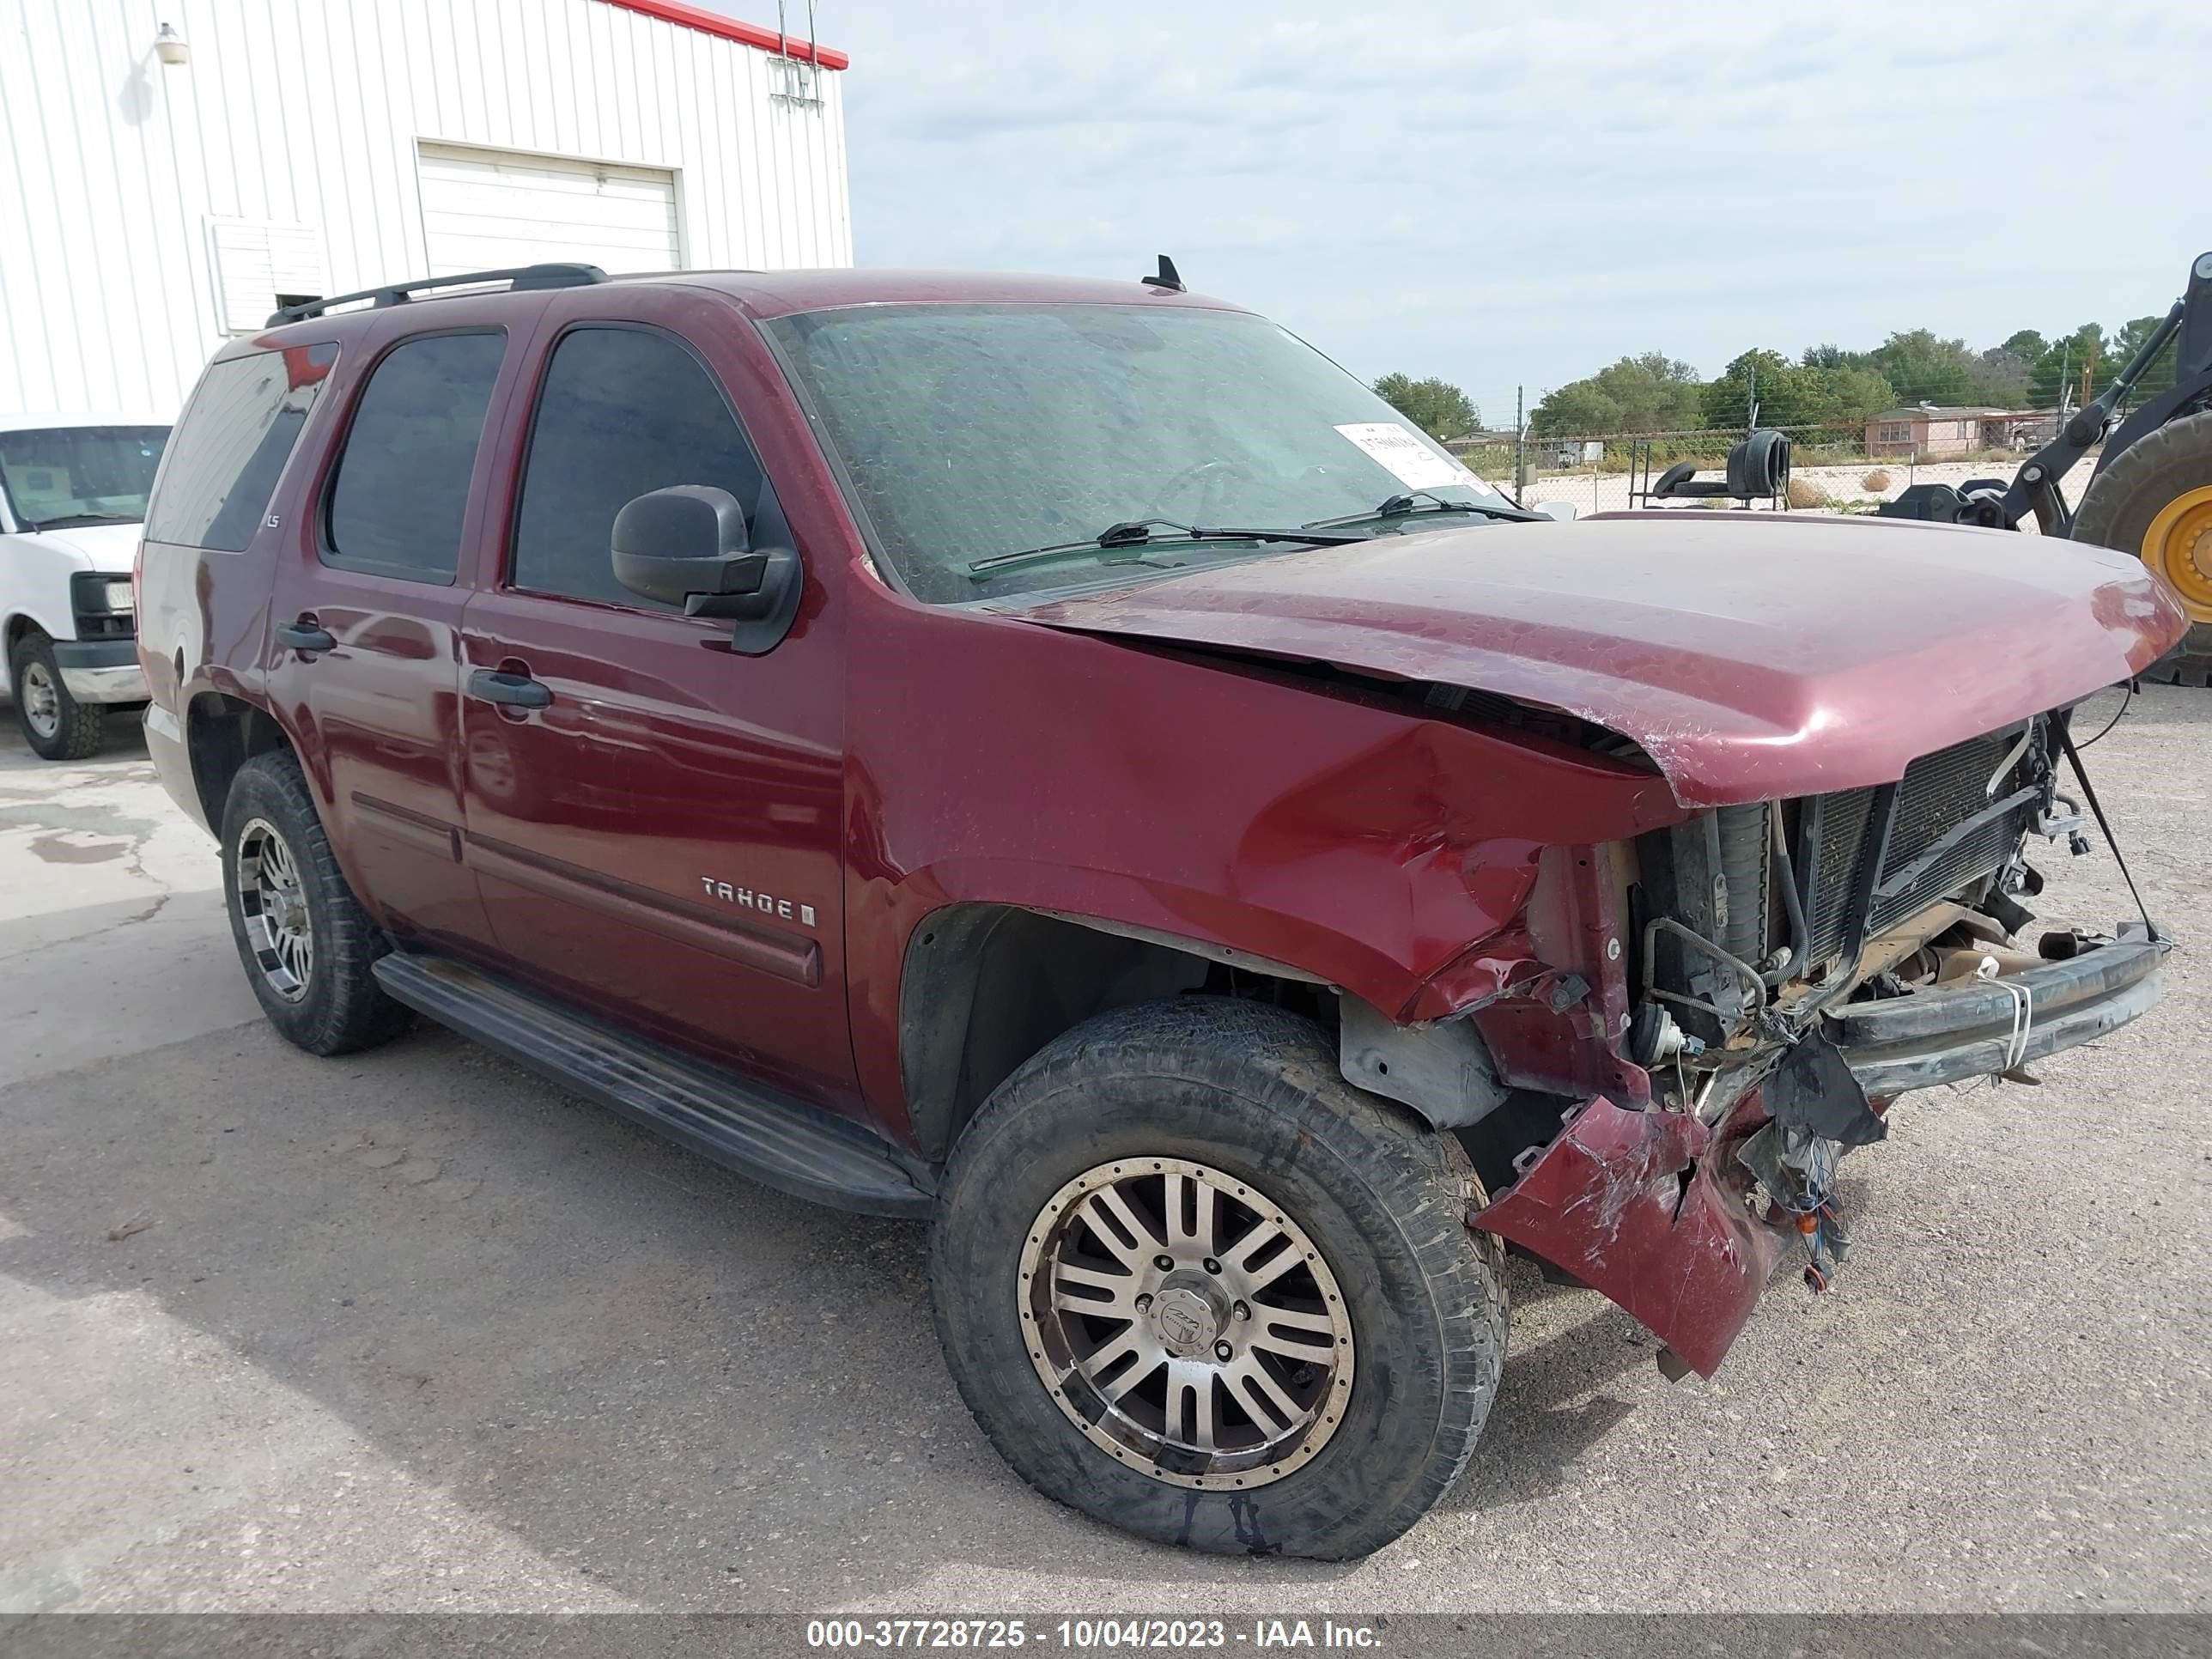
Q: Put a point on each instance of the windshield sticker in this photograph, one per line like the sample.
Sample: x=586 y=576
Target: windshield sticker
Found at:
x=1409 y=460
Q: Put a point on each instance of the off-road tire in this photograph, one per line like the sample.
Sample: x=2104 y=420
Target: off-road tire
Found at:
x=343 y=1008
x=82 y=727
x=1254 y=1092
x=2117 y=507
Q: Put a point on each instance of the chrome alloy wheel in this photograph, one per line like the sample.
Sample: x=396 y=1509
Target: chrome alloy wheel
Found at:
x=42 y=699
x=1185 y=1324
x=273 y=904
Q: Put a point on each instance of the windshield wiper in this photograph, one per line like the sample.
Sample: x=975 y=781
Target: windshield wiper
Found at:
x=1138 y=533
x=1422 y=500
x=69 y=519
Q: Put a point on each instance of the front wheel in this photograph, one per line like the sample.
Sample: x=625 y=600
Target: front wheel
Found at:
x=1192 y=1282
x=55 y=724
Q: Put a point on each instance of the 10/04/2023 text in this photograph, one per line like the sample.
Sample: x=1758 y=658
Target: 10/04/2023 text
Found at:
x=1087 y=1634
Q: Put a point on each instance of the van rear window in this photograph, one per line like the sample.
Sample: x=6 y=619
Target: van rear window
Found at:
x=229 y=450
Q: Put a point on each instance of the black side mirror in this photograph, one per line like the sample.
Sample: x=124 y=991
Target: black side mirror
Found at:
x=687 y=545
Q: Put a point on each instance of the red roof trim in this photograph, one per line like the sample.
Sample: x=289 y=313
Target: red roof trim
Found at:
x=751 y=34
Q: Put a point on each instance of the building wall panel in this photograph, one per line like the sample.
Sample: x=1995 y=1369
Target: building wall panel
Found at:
x=112 y=164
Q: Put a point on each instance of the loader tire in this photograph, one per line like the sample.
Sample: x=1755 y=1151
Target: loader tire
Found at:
x=2154 y=501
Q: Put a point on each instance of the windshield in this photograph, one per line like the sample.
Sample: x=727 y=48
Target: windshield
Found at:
x=970 y=432
x=58 y=476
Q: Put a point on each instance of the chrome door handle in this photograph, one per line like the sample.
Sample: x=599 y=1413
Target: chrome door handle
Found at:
x=304 y=636
x=512 y=690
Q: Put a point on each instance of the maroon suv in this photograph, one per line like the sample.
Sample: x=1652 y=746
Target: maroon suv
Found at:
x=1064 y=759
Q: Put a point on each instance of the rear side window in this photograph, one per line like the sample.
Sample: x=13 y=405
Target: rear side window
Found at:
x=402 y=488
x=623 y=411
x=228 y=452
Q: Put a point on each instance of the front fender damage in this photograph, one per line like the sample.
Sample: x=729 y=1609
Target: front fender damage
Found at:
x=1641 y=1207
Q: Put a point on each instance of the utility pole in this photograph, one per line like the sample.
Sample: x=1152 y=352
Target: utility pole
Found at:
x=1750 y=418
x=1520 y=445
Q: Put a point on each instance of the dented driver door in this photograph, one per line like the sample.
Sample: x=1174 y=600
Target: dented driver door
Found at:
x=654 y=818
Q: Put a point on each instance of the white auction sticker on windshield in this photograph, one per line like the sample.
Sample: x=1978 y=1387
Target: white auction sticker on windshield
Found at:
x=1409 y=460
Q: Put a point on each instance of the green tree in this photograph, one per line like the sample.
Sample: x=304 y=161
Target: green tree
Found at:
x=2059 y=368
x=1831 y=357
x=1438 y=407
x=1795 y=394
x=1651 y=393
x=1728 y=400
x=1777 y=385
x=2001 y=374
x=1852 y=396
x=2132 y=337
x=1921 y=368
x=1578 y=408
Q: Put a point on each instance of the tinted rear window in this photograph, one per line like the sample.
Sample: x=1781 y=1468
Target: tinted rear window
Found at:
x=401 y=489
x=228 y=452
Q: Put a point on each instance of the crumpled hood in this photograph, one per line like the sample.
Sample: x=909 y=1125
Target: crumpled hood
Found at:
x=1754 y=656
x=106 y=547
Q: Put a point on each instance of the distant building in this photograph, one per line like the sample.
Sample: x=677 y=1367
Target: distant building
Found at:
x=1932 y=430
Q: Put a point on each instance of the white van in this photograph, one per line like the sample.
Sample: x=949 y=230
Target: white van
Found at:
x=73 y=492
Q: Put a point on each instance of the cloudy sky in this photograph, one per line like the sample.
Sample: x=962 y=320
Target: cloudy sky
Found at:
x=1518 y=195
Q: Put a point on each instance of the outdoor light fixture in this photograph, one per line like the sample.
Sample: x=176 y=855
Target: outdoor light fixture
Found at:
x=172 y=47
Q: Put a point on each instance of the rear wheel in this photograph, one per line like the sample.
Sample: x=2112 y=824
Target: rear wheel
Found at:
x=308 y=946
x=2154 y=501
x=55 y=724
x=1192 y=1282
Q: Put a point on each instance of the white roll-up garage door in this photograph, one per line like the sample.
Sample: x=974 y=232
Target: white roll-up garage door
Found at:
x=485 y=210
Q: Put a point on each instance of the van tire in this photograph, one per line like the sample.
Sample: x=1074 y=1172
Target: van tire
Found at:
x=1252 y=1094
x=74 y=731
x=339 y=1007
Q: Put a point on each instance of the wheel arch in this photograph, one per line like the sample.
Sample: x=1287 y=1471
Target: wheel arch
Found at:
x=19 y=621
x=221 y=733
x=985 y=986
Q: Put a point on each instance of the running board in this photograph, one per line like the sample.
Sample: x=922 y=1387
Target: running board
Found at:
x=764 y=1135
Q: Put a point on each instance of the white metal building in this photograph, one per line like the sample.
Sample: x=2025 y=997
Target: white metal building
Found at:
x=170 y=170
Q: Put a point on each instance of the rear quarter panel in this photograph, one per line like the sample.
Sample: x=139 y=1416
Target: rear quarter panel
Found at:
x=203 y=613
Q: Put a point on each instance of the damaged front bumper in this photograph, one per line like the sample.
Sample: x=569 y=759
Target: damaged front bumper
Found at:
x=1981 y=1027
x=1657 y=1210
x=1631 y=1204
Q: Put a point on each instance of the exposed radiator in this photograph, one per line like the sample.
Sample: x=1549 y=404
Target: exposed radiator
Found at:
x=1939 y=791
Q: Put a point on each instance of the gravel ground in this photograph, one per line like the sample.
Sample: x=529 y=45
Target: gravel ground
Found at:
x=411 y=1331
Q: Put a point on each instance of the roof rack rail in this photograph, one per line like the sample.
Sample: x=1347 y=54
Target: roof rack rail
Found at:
x=517 y=279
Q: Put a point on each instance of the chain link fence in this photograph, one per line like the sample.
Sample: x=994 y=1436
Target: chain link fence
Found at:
x=1834 y=468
